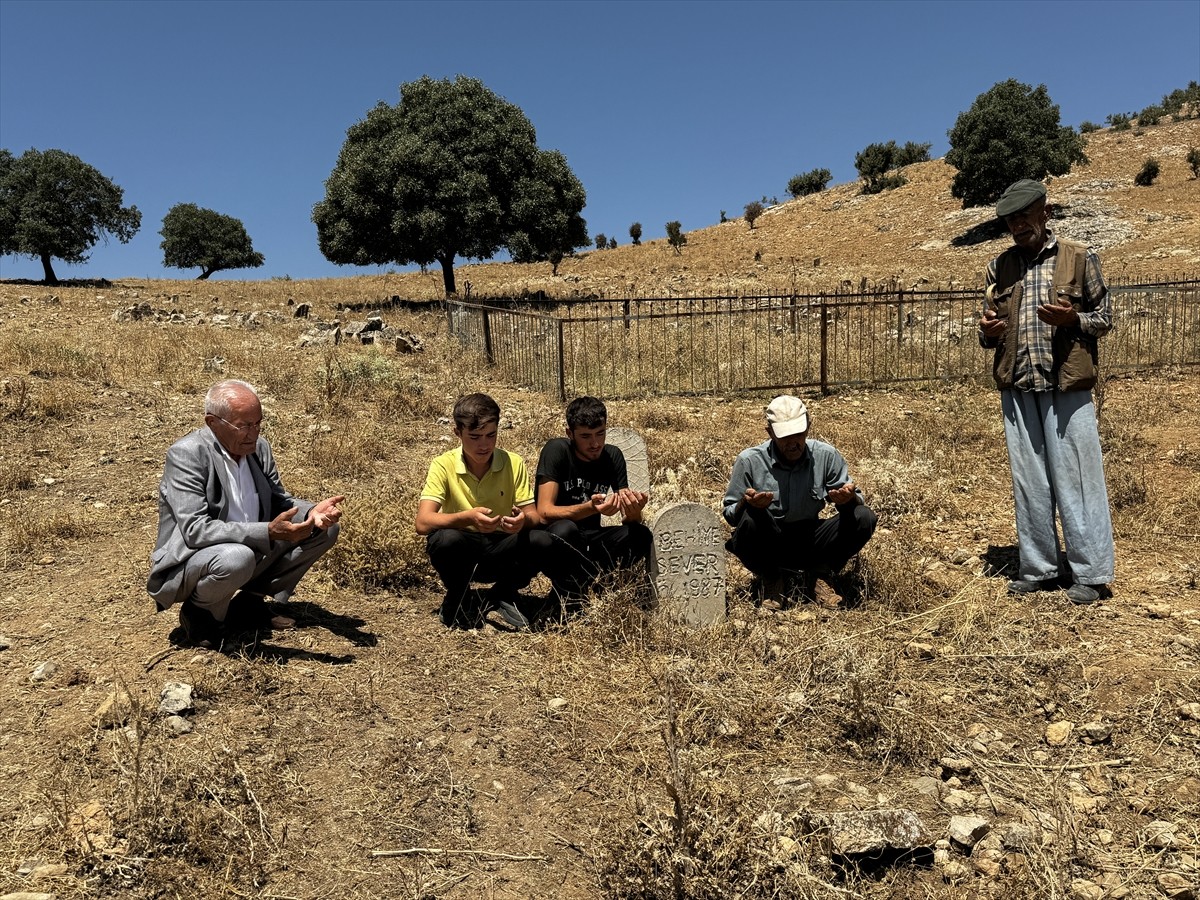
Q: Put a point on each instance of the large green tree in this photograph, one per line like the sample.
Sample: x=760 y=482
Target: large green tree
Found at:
x=451 y=170
x=1011 y=132
x=193 y=236
x=54 y=205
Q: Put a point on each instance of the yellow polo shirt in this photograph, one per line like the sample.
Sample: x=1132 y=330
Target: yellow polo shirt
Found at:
x=503 y=486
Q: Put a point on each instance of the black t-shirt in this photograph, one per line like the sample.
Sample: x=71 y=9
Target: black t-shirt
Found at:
x=578 y=480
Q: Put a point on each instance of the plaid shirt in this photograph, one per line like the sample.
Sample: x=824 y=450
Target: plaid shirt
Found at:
x=1035 y=362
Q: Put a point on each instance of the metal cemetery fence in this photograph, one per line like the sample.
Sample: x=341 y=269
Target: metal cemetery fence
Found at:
x=699 y=345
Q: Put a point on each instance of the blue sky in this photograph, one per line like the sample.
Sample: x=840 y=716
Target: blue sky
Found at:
x=664 y=110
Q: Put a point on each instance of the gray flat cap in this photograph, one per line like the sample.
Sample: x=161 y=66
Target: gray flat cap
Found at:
x=1018 y=196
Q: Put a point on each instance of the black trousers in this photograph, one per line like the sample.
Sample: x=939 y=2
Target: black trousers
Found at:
x=508 y=560
x=766 y=546
x=580 y=555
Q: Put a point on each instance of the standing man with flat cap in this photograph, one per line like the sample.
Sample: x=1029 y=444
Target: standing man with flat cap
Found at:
x=775 y=496
x=1045 y=308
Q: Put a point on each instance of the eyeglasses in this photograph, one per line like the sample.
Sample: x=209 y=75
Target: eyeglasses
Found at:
x=242 y=429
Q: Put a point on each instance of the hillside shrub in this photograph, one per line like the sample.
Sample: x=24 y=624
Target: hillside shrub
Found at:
x=1119 y=121
x=1150 y=115
x=753 y=210
x=601 y=241
x=1174 y=102
x=812 y=182
x=878 y=164
x=1193 y=160
x=1149 y=172
x=675 y=236
x=1086 y=127
x=612 y=243
x=635 y=233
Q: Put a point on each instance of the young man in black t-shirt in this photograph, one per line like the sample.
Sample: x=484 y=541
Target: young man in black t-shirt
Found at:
x=580 y=479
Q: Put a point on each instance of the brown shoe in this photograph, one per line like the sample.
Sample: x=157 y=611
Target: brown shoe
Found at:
x=820 y=590
x=281 y=623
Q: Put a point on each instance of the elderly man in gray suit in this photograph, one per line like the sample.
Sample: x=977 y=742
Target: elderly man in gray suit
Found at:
x=229 y=534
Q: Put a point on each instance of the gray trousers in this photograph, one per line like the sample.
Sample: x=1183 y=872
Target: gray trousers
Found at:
x=1057 y=467
x=214 y=574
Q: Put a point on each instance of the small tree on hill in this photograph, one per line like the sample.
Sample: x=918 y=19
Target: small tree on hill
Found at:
x=635 y=233
x=195 y=237
x=601 y=241
x=1011 y=131
x=1149 y=172
x=809 y=183
x=612 y=243
x=53 y=205
x=877 y=164
x=1119 y=121
x=1193 y=160
x=754 y=209
x=675 y=236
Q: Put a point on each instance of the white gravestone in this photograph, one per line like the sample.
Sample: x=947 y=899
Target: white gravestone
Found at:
x=637 y=462
x=688 y=563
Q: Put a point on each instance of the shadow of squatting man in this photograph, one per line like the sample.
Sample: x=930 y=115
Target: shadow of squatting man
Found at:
x=776 y=494
x=1045 y=308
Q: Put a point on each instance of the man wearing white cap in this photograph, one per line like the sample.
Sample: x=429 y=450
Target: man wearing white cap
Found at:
x=1046 y=306
x=775 y=496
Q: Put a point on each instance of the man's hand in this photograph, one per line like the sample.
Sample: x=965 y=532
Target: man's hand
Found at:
x=282 y=528
x=327 y=512
x=758 y=499
x=607 y=504
x=514 y=522
x=483 y=520
x=843 y=494
x=991 y=325
x=1058 y=313
x=631 y=502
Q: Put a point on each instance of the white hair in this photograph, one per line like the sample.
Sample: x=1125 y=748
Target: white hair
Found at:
x=216 y=401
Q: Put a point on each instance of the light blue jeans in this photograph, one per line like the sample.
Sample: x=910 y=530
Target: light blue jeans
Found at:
x=1054 y=452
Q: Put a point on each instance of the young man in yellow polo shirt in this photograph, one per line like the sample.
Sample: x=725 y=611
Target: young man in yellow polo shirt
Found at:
x=477 y=512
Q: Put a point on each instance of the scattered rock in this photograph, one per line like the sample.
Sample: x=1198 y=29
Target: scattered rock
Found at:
x=1081 y=889
x=1177 y=887
x=1058 y=733
x=875 y=831
x=301 y=311
x=43 y=671
x=1095 y=732
x=966 y=831
x=1160 y=834
x=557 y=706
x=175 y=698
x=956 y=799
x=5 y=643
x=178 y=725
x=956 y=765
x=1019 y=836
x=1186 y=710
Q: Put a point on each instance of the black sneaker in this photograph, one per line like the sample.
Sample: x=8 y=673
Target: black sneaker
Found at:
x=464 y=614
x=1032 y=587
x=1083 y=594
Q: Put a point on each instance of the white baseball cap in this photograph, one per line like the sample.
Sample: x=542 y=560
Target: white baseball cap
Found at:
x=787 y=415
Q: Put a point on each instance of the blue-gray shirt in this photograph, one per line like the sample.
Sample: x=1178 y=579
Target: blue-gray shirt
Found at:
x=799 y=487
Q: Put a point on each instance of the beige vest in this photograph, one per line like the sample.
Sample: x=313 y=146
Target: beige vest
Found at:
x=1073 y=351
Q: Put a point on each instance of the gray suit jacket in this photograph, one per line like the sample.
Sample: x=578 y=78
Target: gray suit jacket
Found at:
x=193 y=503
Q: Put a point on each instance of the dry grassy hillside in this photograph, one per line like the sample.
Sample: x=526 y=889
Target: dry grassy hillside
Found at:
x=371 y=753
x=907 y=234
